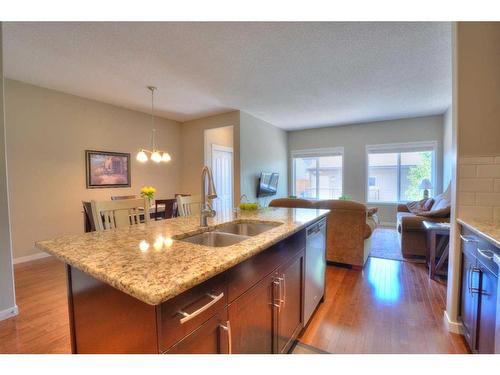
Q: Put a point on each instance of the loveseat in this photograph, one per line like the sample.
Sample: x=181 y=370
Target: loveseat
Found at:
x=410 y=227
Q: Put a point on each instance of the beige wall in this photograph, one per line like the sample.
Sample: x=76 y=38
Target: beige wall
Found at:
x=7 y=296
x=263 y=149
x=478 y=85
x=448 y=152
x=476 y=138
x=478 y=119
x=192 y=143
x=47 y=133
x=354 y=139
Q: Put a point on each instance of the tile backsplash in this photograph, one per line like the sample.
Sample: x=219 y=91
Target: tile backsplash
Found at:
x=479 y=187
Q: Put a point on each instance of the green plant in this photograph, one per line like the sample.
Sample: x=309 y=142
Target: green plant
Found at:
x=416 y=174
x=345 y=197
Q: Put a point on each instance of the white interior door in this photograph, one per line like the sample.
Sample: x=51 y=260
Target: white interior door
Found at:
x=222 y=169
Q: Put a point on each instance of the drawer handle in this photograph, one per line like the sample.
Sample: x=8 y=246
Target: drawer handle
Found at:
x=468 y=239
x=488 y=254
x=188 y=317
x=227 y=328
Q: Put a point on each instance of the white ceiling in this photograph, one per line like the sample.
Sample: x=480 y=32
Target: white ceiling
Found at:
x=293 y=75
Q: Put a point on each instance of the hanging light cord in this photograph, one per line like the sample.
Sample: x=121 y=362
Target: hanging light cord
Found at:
x=153 y=130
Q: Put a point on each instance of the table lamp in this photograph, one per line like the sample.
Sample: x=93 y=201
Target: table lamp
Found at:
x=426 y=185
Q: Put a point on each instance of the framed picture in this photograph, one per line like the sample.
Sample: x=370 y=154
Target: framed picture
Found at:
x=107 y=169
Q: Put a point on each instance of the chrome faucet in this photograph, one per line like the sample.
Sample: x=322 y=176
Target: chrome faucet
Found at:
x=206 y=210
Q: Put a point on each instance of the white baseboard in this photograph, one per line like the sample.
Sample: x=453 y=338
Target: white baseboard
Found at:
x=387 y=224
x=454 y=327
x=29 y=258
x=9 y=313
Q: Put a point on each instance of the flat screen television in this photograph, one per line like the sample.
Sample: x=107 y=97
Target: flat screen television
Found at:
x=268 y=184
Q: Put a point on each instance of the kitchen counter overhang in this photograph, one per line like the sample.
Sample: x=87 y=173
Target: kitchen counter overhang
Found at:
x=148 y=262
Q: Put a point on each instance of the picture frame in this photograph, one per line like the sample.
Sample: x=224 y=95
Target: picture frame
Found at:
x=105 y=169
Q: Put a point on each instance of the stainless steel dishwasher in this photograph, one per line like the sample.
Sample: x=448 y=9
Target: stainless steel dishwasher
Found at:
x=314 y=288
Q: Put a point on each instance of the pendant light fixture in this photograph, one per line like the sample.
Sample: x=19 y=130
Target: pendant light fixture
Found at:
x=155 y=155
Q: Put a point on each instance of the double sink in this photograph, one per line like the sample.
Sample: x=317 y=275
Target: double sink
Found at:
x=229 y=233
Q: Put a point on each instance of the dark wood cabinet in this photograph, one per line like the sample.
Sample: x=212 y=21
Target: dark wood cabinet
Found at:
x=212 y=337
x=291 y=276
x=478 y=293
x=253 y=316
x=254 y=307
x=470 y=284
x=486 y=319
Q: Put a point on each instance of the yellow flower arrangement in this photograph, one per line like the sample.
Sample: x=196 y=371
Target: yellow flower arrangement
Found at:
x=148 y=192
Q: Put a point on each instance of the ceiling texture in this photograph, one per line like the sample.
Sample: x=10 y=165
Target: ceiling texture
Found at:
x=293 y=75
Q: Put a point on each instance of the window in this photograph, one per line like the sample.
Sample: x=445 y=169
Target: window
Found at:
x=396 y=171
x=318 y=174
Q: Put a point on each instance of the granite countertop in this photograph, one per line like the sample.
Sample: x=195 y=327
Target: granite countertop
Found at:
x=147 y=262
x=487 y=229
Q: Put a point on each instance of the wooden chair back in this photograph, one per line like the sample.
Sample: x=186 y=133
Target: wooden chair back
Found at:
x=121 y=197
x=115 y=214
x=188 y=205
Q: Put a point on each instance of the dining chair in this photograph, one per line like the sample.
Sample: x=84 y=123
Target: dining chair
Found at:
x=188 y=205
x=170 y=206
x=121 y=197
x=119 y=213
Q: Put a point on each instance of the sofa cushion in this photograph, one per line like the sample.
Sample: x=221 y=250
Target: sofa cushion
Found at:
x=441 y=212
x=423 y=205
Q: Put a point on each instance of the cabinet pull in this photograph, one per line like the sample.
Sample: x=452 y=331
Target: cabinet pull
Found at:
x=284 y=289
x=473 y=269
x=227 y=328
x=188 y=317
x=277 y=282
x=468 y=239
x=282 y=293
x=488 y=254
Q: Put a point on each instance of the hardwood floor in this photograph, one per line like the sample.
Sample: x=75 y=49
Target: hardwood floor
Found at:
x=42 y=325
x=389 y=307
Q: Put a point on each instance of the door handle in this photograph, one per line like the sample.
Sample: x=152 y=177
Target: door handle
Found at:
x=188 y=317
x=227 y=328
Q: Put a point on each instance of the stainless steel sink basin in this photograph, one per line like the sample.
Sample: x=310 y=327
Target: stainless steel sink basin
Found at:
x=246 y=228
x=214 y=239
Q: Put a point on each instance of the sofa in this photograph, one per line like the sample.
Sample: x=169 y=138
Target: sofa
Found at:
x=349 y=228
x=410 y=227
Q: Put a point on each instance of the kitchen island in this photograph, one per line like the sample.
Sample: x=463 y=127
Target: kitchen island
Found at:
x=146 y=289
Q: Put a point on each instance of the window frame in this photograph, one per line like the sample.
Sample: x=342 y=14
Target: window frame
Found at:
x=399 y=148
x=315 y=152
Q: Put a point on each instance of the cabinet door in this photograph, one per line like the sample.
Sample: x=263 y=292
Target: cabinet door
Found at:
x=252 y=317
x=487 y=313
x=290 y=317
x=469 y=303
x=212 y=337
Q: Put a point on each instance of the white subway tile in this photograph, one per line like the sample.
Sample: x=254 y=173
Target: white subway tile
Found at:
x=466 y=198
x=488 y=170
x=496 y=214
x=476 y=160
x=475 y=212
x=467 y=170
x=496 y=187
x=488 y=199
x=475 y=184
